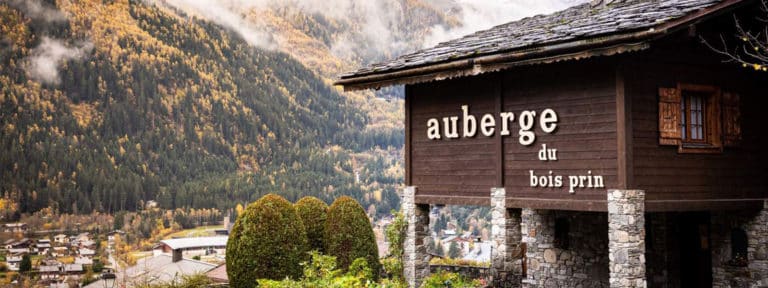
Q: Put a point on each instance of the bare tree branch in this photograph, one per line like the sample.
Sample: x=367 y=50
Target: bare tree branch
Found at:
x=748 y=48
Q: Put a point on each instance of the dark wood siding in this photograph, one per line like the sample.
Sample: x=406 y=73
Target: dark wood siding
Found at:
x=583 y=95
x=675 y=181
x=593 y=133
x=463 y=171
x=452 y=171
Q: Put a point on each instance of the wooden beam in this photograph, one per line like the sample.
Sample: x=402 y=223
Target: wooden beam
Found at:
x=624 y=148
x=558 y=204
x=499 y=102
x=408 y=136
x=703 y=205
x=454 y=200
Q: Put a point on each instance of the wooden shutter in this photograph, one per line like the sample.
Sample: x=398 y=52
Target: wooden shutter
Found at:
x=714 y=127
x=669 y=116
x=731 y=119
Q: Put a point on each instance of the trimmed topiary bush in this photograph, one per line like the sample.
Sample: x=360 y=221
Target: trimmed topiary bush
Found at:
x=313 y=212
x=268 y=241
x=348 y=235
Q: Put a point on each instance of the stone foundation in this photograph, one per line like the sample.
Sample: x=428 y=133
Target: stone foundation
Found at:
x=581 y=262
x=626 y=238
x=416 y=262
x=506 y=266
x=730 y=272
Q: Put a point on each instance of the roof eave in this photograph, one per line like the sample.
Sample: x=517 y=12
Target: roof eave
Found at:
x=601 y=45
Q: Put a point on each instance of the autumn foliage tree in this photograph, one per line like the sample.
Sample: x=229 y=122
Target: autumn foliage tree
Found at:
x=313 y=213
x=268 y=241
x=348 y=235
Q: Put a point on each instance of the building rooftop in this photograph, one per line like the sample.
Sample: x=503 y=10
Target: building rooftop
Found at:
x=195 y=242
x=159 y=269
x=536 y=39
x=218 y=274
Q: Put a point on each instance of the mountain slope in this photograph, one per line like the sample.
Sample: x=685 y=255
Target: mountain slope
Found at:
x=152 y=106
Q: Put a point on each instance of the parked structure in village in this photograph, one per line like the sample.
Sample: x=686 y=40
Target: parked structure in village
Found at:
x=615 y=149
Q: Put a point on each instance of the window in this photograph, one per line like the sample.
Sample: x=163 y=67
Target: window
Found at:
x=692 y=112
x=690 y=117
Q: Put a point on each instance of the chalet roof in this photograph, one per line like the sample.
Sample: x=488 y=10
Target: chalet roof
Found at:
x=218 y=274
x=161 y=268
x=73 y=267
x=586 y=30
x=49 y=268
x=195 y=242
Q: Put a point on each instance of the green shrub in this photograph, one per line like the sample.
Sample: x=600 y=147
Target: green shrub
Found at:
x=267 y=241
x=348 y=235
x=395 y=233
x=321 y=272
x=313 y=212
x=447 y=279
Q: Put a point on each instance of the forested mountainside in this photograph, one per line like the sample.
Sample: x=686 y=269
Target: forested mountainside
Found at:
x=105 y=105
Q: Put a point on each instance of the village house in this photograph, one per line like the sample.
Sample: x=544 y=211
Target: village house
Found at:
x=13 y=261
x=21 y=246
x=614 y=147
x=15 y=227
x=158 y=269
x=49 y=272
x=60 y=251
x=61 y=239
x=43 y=246
x=86 y=252
x=193 y=246
x=84 y=260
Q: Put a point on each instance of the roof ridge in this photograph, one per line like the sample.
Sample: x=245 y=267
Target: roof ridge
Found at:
x=545 y=34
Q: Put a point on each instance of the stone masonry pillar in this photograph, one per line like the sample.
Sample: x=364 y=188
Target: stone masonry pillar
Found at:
x=416 y=262
x=626 y=238
x=538 y=233
x=505 y=241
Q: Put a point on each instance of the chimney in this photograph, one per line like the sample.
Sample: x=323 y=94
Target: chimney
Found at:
x=176 y=255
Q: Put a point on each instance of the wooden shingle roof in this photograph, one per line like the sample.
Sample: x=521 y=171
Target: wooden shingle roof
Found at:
x=620 y=25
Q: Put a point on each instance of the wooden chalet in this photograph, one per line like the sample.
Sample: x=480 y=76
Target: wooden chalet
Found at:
x=615 y=147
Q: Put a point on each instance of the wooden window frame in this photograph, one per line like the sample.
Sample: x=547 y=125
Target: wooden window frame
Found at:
x=721 y=118
x=711 y=141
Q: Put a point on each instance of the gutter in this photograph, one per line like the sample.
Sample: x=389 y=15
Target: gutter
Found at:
x=596 y=46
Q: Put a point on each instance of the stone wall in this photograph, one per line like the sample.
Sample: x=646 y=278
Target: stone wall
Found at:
x=729 y=273
x=626 y=238
x=506 y=268
x=584 y=263
x=416 y=259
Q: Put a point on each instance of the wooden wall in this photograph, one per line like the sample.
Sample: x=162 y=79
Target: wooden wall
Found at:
x=451 y=171
x=608 y=110
x=583 y=95
x=463 y=171
x=676 y=181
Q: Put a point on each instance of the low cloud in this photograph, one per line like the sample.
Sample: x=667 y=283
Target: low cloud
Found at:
x=37 y=10
x=378 y=29
x=45 y=59
x=227 y=13
x=476 y=15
